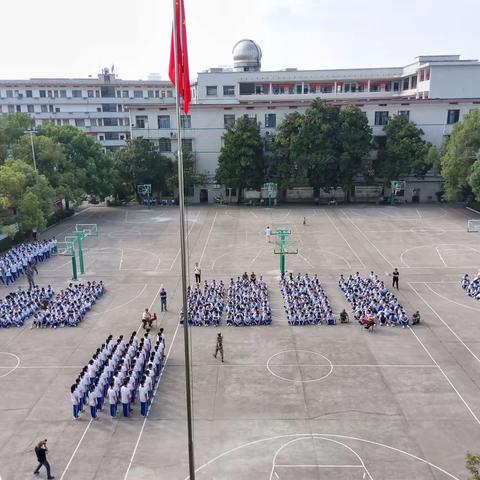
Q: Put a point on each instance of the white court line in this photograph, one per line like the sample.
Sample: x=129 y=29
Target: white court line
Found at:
x=323 y=435
x=344 y=239
x=317 y=466
x=448 y=299
x=326 y=439
x=122 y=305
x=178 y=251
x=440 y=255
x=11 y=369
x=446 y=377
x=148 y=411
x=121 y=260
x=208 y=238
x=76 y=449
x=368 y=240
x=418 y=213
x=42 y=367
x=306 y=260
x=445 y=323
x=254 y=214
x=257 y=255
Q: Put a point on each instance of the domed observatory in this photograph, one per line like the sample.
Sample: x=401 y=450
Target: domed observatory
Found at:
x=247 y=56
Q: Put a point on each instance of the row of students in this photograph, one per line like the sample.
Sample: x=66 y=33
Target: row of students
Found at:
x=69 y=306
x=371 y=301
x=121 y=372
x=305 y=301
x=14 y=262
x=19 y=305
x=205 y=304
x=247 y=302
x=472 y=287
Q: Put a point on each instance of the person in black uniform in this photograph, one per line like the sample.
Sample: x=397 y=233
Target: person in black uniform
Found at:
x=219 y=346
x=396 y=276
x=41 y=453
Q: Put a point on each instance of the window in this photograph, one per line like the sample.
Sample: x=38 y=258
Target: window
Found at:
x=185 y=121
x=259 y=90
x=9 y=93
x=414 y=82
x=11 y=109
x=270 y=120
x=251 y=117
x=228 y=90
x=396 y=86
x=229 y=120
x=50 y=108
x=405 y=84
x=55 y=93
x=93 y=122
x=187 y=144
x=453 y=116
x=157 y=93
x=137 y=94
x=100 y=122
x=107 y=92
x=75 y=93
x=404 y=113
x=169 y=93
x=140 y=121
x=49 y=94
x=119 y=93
x=28 y=93
x=278 y=89
x=110 y=122
x=109 y=107
x=66 y=121
x=57 y=109
x=351 y=87
x=150 y=93
x=59 y=122
x=63 y=93
x=381 y=118
x=212 y=91
x=374 y=87
x=42 y=93
x=164 y=145
x=18 y=108
x=125 y=93
x=111 y=136
x=90 y=93
x=44 y=108
x=30 y=109
x=163 y=121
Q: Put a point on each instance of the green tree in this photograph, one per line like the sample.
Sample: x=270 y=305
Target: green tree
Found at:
x=12 y=186
x=241 y=163
x=405 y=151
x=460 y=160
x=140 y=163
x=12 y=128
x=281 y=154
x=355 y=143
x=473 y=465
x=317 y=146
x=30 y=213
x=190 y=175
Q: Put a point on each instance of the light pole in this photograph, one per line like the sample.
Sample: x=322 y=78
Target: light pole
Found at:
x=31 y=131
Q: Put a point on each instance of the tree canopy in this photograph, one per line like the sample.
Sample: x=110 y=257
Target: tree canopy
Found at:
x=460 y=164
x=241 y=163
x=405 y=151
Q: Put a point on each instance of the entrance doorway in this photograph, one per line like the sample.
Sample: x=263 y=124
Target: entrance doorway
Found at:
x=203 y=195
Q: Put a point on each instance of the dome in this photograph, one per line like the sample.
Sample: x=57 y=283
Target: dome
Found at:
x=246 y=56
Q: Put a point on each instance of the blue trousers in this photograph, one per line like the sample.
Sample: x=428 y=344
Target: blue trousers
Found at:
x=113 y=409
x=126 y=409
x=93 y=411
x=143 y=409
x=99 y=402
x=75 y=410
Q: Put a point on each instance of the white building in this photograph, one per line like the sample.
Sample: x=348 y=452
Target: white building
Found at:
x=435 y=92
x=96 y=105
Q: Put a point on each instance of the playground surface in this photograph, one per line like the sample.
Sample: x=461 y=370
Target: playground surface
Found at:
x=289 y=402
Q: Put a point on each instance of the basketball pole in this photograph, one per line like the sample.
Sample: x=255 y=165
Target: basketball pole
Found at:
x=181 y=195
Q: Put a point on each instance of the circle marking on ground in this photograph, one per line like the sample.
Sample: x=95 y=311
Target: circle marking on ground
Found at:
x=13 y=368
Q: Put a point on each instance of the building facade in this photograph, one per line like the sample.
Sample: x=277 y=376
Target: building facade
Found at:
x=95 y=105
x=435 y=92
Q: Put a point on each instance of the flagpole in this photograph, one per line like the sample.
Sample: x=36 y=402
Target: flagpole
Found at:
x=181 y=196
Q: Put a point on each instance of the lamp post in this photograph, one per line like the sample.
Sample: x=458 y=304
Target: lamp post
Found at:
x=31 y=131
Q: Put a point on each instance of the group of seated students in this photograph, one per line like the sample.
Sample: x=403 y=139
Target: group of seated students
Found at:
x=305 y=301
x=17 y=306
x=472 y=287
x=371 y=301
x=67 y=308
x=247 y=302
x=205 y=304
x=119 y=371
x=14 y=262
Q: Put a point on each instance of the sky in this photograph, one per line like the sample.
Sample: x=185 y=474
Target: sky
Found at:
x=63 y=38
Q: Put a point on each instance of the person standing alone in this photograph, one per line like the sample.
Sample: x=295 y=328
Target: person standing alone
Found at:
x=41 y=453
x=219 y=346
x=396 y=277
x=198 y=273
x=268 y=232
x=163 y=299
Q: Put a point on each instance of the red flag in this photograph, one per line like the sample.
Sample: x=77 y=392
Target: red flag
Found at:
x=183 y=86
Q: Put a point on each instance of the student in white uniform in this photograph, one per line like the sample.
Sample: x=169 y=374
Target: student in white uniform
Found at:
x=268 y=232
x=92 y=402
x=125 y=398
x=112 y=399
x=75 y=400
x=143 y=394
